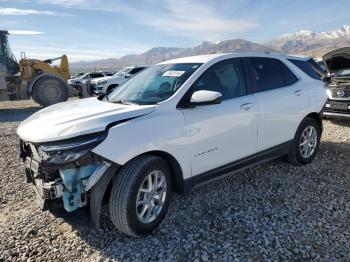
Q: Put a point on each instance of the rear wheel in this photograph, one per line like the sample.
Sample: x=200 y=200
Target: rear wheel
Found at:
x=140 y=195
x=49 y=90
x=305 y=143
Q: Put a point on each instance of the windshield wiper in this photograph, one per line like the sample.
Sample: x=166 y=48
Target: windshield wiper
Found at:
x=124 y=102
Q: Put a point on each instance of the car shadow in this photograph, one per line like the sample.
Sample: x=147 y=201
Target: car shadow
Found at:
x=343 y=148
x=17 y=114
x=340 y=122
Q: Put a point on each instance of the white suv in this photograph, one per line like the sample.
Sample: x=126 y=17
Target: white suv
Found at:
x=86 y=78
x=171 y=127
x=106 y=84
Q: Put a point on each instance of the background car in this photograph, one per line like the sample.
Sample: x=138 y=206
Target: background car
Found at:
x=338 y=83
x=86 y=78
x=108 y=83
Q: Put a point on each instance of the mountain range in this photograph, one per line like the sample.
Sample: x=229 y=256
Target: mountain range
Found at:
x=303 y=42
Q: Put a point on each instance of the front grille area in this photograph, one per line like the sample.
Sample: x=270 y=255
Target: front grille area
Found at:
x=340 y=92
x=337 y=106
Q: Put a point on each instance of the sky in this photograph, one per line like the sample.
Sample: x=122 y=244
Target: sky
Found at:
x=97 y=29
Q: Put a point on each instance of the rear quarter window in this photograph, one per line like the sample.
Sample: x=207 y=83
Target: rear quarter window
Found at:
x=270 y=74
x=306 y=67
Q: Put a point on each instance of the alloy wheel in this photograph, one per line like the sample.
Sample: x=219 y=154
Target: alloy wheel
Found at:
x=151 y=197
x=308 y=142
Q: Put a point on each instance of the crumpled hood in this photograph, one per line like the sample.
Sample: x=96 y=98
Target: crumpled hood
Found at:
x=75 y=118
x=337 y=59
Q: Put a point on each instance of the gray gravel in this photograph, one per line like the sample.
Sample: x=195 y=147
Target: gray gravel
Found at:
x=272 y=212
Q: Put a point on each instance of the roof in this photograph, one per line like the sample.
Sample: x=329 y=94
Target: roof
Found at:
x=206 y=58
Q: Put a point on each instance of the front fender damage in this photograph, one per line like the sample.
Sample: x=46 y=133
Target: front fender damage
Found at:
x=72 y=185
x=98 y=192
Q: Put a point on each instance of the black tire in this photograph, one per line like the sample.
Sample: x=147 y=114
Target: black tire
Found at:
x=295 y=156
x=49 y=90
x=123 y=196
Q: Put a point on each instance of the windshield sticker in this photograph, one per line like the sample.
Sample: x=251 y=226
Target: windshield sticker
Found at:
x=174 y=73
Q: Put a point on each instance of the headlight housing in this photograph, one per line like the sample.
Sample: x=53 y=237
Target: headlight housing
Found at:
x=69 y=150
x=102 y=82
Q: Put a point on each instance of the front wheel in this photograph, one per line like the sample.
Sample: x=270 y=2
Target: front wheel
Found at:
x=140 y=195
x=306 y=142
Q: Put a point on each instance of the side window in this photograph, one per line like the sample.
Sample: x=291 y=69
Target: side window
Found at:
x=306 y=67
x=266 y=73
x=226 y=77
x=96 y=75
x=135 y=70
x=288 y=75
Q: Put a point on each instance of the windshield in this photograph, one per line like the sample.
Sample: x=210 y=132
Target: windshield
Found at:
x=122 y=71
x=153 y=85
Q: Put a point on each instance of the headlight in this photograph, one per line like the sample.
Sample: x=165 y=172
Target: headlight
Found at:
x=70 y=150
x=102 y=82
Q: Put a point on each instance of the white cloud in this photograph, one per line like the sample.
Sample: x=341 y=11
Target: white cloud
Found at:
x=193 y=19
x=24 y=32
x=16 y=11
x=40 y=48
x=189 y=18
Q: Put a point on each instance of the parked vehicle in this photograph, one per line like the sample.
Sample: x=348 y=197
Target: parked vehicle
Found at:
x=76 y=75
x=106 y=84
x=338 y=83
x=86 y=78
x=173 y=126
x=321 y=64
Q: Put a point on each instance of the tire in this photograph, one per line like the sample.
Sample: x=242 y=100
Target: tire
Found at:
x=49 y=90
x=297 y=155
x=125 y=192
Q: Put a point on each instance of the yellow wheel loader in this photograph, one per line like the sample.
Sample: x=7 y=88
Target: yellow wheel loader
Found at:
x=44 y=82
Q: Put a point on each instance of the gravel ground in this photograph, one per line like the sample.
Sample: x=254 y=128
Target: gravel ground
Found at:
x=271 y=212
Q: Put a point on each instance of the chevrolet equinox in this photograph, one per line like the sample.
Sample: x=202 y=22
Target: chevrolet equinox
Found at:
x=173 y=126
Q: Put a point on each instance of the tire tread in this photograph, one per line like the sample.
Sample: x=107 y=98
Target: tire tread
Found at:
x=121 y=191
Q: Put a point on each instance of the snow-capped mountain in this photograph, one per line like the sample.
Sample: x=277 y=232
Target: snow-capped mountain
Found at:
x=302 y=42
x=159 y=54
x=343 y=31
x=310 y=42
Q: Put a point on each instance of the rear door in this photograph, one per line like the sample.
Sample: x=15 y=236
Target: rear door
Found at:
x=281 y=99
x=222 y=133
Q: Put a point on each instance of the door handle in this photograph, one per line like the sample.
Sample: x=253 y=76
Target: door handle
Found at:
x=246 y=106
x=298 y=92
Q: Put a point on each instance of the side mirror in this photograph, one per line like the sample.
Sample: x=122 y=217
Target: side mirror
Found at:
x=128 y=76
x=205 y=97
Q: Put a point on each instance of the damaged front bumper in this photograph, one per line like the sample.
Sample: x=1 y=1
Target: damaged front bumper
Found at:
x=68 y=184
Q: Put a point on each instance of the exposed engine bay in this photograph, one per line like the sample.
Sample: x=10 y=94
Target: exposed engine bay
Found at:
x=338 y=83
x=63 y=173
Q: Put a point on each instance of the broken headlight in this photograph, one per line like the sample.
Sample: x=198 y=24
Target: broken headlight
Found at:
x=70 y=150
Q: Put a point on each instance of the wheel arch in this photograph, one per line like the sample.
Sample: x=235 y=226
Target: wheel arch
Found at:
x=317 y=117
x=175 y=169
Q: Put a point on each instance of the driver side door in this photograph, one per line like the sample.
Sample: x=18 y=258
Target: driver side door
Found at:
x=220 y=134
